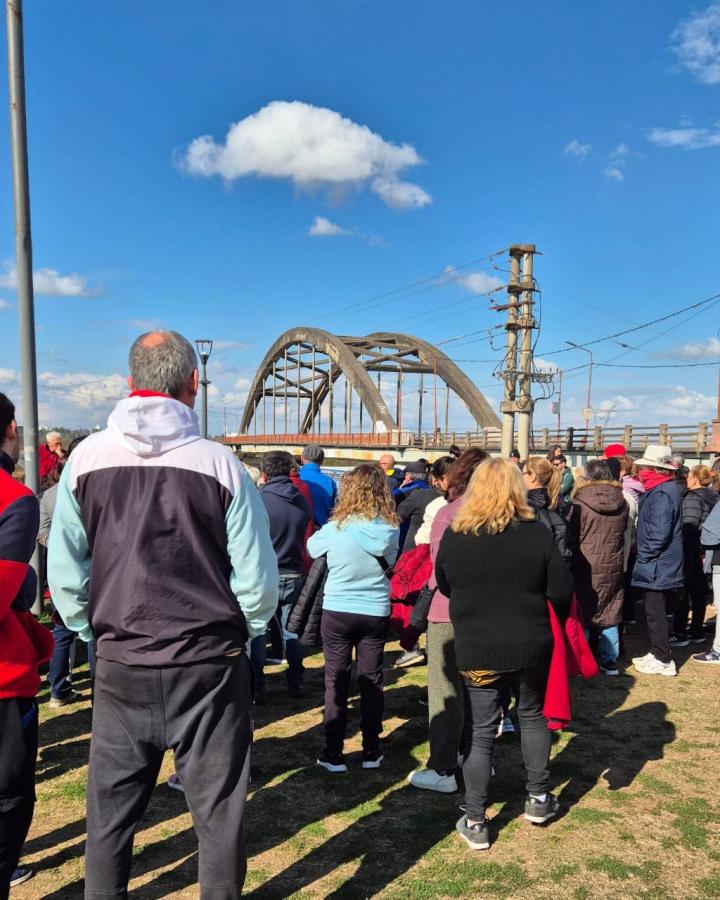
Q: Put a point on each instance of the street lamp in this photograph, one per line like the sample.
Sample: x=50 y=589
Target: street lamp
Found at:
x=204 y=348
x=587 y=412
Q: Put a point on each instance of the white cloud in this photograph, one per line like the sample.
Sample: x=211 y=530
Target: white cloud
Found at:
x=237 y=397
x=614 y=173
x=323 y=227
x=620 y=151
x=576 y=149
x=313 y=147
x=687 y=138
x=8 y=376
x=544 y=365
x=475 y=282
x=48 y=282
x=694 y=350
x=83 y=390
x=5 y=305
x=697 y=44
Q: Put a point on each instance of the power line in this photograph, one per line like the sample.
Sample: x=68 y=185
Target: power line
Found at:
x=439 y=279
x=609 y=337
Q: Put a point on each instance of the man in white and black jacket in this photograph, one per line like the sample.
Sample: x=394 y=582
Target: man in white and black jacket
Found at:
x=160 y=549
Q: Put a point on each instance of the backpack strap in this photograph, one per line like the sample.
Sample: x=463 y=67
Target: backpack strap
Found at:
x=385 y=566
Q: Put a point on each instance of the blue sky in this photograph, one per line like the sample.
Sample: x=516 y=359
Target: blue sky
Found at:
x=433 y=134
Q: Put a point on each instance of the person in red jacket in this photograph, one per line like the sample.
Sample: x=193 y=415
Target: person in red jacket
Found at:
x=51 y=453
x=24 y=646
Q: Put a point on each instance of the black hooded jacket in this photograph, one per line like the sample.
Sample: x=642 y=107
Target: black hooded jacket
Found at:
x=289 y=515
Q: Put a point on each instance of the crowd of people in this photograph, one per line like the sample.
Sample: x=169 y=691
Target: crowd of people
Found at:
x=186 y=576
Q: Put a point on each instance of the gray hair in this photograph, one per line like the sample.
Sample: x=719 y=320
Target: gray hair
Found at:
x=678 y=460
x=314 y=453
x=162 y=361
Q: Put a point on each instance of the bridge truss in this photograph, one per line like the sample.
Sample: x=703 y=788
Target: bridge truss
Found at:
x=313 y=382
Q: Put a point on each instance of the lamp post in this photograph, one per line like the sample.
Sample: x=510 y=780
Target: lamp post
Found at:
x=204 y=348
x=587 y=412
x=23 y=251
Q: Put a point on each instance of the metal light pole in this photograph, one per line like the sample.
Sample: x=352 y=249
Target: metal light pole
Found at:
x=204 y=348
x=23 y=253
x=587 y=412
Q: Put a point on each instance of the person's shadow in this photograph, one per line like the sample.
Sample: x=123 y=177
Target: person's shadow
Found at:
x=609 y=743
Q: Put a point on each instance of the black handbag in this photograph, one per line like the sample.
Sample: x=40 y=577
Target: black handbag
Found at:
x=421 y=608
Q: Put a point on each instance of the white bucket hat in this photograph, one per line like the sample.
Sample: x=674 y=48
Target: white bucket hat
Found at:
x=658 y=456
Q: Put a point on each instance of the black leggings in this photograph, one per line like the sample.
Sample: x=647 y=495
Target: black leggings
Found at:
x=483 y=709
x=694 y=596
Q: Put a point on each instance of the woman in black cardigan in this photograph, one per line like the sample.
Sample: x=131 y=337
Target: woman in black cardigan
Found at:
x=499 y=566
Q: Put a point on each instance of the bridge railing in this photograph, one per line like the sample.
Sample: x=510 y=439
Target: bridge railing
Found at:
x=683 y=438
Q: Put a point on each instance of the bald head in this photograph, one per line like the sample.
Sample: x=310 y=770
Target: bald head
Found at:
x=165 y=362
x=387 y=461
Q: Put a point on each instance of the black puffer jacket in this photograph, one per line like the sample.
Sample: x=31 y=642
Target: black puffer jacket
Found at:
x=553 y=519
x=304 y=618
x=696 y=507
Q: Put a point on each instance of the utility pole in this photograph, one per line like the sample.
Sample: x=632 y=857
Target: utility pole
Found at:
x=23 y=254
x=519 y=318
x=509 y=374
x=558 y=403
x=526 y=325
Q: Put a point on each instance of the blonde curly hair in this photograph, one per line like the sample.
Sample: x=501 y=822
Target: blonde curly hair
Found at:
x=364 y=494
x=493 y=499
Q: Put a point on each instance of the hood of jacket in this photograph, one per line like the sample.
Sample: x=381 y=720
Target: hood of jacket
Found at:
x=372 y=535
x=603 y=497
x=283 y=488
x=150 y=426
x=538 y=498
x=708 y=496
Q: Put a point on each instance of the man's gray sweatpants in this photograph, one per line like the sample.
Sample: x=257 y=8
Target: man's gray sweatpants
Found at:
x=203 y=713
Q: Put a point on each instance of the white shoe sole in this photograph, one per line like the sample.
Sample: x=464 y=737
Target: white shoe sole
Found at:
x=329 y=767
x=540 y=820
x=669 y=674
x=176 y=786
x=372 y=764
x=21 y=880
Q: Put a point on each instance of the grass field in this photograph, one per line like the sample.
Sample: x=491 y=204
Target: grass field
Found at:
x=638 y=774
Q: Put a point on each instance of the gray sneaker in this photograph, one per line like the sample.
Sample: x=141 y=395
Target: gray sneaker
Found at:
x=539 y=811
x=67 y=698
x=477 y=836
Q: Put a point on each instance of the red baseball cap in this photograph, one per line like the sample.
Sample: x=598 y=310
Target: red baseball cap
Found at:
x=613 y=450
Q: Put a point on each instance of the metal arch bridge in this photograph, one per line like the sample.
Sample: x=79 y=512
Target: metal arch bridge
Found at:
x=306 y=368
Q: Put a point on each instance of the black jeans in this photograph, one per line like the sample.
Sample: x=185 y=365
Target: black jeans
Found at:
x=694 y=596
x=201 y=712
x=483 y=709
x=341 y=632
x=18 y=754
x=657 y=626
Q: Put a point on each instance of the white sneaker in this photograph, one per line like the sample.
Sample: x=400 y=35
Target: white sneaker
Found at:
x=430 y=780
x=653 y=666
x=642 y=659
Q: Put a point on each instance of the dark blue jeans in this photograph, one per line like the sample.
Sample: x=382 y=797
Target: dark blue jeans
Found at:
x=60 y=660
x=290 y=587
